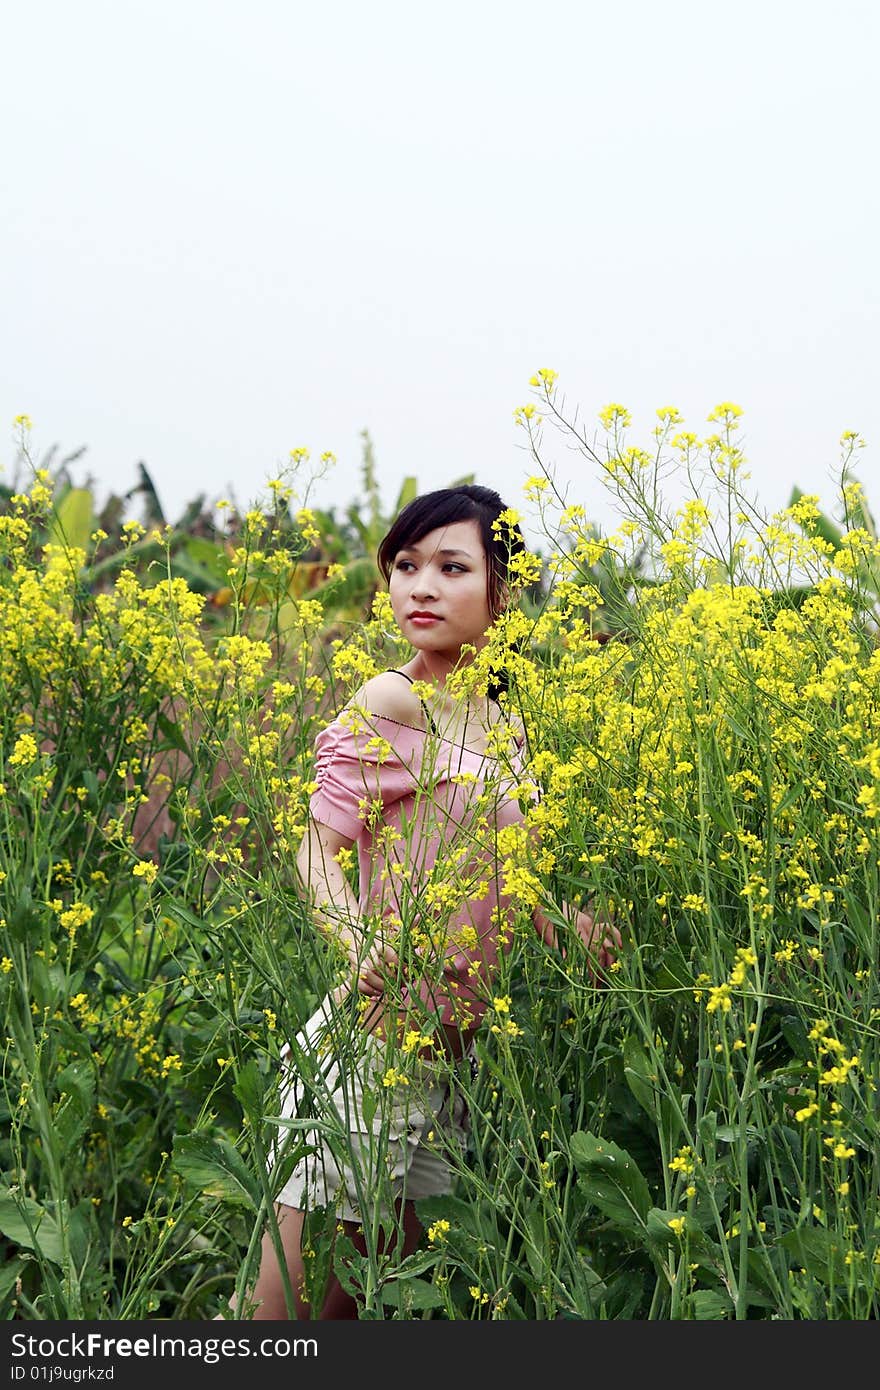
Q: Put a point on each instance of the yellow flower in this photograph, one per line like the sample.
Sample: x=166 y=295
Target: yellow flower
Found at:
x=509 y=518
x=719 y=998
x=508 y=1027
x=24 y=752
x=533 y=487
x=677 y=1224
x=615 y=416
x=77 y=915
x=685 y=1160
x=146 y=870
x=438 y=1232
x=725 y=413
x=694 y=902
x=393 y=1077
x=806 y=1113
x=545 y=377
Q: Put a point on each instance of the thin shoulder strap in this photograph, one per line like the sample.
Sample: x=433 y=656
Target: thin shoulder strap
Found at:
x=434 y=730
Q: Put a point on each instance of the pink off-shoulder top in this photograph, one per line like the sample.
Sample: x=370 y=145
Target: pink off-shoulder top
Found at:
x=425 y=814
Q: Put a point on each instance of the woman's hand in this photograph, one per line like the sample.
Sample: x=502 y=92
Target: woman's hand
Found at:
x=597 y=932
x=601 y=938
x=370 y=961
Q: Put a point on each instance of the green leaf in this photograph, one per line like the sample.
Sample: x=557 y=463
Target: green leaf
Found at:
x=722 y=818
x=71 y=523
x=671 y=973
x=792 y=1029
x=817 y=1250
x=611 y=1180
x=369 y=1105
x=348 y=1262
x=661 y=1233
x=707 y=1305
x=30 y=1226
x=535 y=1241
x=304 y=1122
x=210 y=555
x=708 y=1129
x=8 y=1275
x=174 y=908
x=408 y=490
x=417 y=1263
x=406 y=1294
x=732 y=1134
x=171 y=732
x=639 y=1077
x=73 y=1114
x=197 y=577
x=737 y=728
x=216 y=1168
x=90 y=782
x=249 y=1089
x=791 y=796
x=24 y=921
x=860 y=921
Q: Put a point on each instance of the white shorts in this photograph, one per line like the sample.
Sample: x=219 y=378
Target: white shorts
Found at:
x=380 y=1126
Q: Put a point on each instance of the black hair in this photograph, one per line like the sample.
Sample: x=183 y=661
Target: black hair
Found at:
x=467 y=502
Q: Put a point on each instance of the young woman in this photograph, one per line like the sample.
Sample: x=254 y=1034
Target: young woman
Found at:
x=421 y=783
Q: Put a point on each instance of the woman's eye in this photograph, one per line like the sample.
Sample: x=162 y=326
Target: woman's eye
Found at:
x=449 y=565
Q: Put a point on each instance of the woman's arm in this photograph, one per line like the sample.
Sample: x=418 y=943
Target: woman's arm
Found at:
x=335 y=908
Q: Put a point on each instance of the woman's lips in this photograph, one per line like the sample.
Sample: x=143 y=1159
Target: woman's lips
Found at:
x=424 y=619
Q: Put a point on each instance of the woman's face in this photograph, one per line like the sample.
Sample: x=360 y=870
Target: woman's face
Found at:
x=438 y=590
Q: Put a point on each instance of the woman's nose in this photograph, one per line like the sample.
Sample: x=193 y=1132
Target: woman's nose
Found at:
x=424 y=586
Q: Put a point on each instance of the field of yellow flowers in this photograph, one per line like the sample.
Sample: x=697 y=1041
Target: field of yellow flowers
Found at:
x=695 y=1139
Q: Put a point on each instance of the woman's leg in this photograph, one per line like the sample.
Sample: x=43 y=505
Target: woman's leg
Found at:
x=268 y=1292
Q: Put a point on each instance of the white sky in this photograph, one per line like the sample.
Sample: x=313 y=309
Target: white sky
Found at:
x=229 y=230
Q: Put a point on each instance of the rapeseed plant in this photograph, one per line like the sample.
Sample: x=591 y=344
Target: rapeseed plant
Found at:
x=692 y=1136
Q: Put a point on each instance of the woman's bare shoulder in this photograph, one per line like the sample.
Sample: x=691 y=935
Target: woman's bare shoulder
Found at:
x=390 y=696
